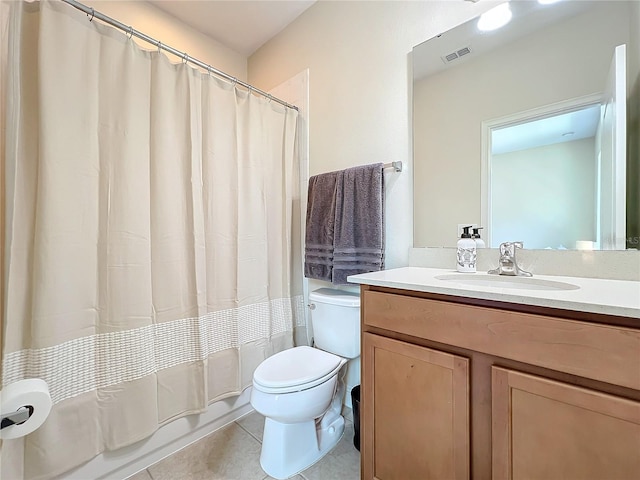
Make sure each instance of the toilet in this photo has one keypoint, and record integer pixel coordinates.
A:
(299, 391)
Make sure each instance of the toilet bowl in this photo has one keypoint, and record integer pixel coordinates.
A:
(299, 391)
(302, 414)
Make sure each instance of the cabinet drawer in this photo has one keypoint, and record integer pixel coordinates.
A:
(601, 352)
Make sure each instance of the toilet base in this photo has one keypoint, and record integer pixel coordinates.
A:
(289, 448)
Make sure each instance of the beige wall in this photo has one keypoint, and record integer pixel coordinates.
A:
(450, 107)
(358, 54)
(159, 25)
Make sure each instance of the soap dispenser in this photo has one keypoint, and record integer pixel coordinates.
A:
(466, 253)
(476, 237)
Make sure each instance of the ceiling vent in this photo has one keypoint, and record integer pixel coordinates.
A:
(457, 54)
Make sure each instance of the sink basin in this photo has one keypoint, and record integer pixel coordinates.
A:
(497, 281)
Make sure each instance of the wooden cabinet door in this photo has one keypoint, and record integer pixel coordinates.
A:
(543, 429)
(414, 412)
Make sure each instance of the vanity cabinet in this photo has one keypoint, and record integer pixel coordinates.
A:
(457, 388)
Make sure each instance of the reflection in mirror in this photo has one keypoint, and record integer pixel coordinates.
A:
(552, 160)
(486, 106)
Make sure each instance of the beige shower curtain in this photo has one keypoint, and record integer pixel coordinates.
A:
(153, 256)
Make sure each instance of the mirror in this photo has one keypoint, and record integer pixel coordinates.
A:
(500, 119)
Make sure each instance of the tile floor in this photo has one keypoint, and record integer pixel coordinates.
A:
(233, 453)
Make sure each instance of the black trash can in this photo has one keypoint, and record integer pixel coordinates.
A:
(355, 403)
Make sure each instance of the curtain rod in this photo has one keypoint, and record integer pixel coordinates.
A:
(92, 13)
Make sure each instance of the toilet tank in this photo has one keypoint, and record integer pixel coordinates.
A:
(335, 317)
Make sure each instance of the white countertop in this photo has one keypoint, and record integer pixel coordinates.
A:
(610, 297)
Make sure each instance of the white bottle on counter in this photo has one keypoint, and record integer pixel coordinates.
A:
(476, 237)
(466, 253)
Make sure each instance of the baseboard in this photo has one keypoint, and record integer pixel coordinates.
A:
(170, 438)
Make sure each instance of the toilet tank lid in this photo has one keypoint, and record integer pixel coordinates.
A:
(335, 297)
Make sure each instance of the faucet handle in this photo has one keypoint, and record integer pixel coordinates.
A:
(509, 248)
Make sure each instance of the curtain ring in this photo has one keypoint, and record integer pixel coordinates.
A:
(130, 32)
(235, 82)
(209, 69)
(185, 58)
(93, 13)
(159, 46)
(270, 97)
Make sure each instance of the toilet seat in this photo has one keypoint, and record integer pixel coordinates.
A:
(296, 369)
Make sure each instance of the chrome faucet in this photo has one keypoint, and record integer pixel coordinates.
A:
(507, 262)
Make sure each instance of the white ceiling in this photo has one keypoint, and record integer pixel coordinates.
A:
(242, 25)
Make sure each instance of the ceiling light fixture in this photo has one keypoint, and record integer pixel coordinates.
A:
(547, 2)
(495, 18)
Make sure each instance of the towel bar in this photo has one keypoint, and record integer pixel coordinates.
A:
(397, 166)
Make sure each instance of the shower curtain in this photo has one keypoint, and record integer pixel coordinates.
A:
(153, 245)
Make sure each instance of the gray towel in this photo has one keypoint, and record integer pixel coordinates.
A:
(321, 209)
(358, 245)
